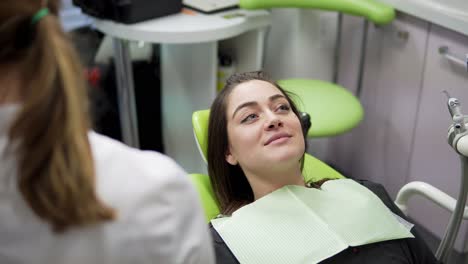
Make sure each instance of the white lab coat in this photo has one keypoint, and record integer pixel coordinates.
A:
(159, 220)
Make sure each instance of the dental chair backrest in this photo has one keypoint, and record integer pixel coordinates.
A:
(314, 169)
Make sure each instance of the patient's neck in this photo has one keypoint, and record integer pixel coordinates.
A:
(268, 182)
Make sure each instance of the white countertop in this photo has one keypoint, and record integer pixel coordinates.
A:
(452, 14)
(189, 27)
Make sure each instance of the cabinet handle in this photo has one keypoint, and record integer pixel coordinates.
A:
(403, 34)
(444, 51)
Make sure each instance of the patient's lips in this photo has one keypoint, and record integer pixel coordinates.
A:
(278, 138)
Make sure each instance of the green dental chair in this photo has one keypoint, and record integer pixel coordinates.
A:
(313, 170)
(332, 108)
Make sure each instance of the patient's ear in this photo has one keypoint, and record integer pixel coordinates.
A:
(230, 158)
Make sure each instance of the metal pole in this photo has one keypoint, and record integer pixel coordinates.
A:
(445, 247)
(362, 60)
(336, 58)
(126, 93)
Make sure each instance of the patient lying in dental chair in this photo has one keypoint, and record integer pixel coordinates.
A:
(269, 213)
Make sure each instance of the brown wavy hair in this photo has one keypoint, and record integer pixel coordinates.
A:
(49, 136)
(230, 185)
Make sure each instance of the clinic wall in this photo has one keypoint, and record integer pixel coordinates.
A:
(349, 53)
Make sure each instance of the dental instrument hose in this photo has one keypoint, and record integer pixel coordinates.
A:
(457, 130)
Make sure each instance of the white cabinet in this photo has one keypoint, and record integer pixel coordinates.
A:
(391, 86)
(380, 147)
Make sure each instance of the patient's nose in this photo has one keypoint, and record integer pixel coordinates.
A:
(275, 123)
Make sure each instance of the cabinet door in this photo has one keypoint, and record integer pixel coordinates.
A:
(380, 148)
(433, 160)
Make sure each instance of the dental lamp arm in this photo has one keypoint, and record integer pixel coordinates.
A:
(427, 191)
(455, 206)
(374, 11)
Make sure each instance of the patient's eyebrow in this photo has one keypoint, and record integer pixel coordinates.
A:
(246, 104)
(252, 103)
(276, 96)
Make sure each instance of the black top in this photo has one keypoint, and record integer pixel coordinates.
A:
(408, 250)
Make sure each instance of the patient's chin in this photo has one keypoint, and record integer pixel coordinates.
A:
(285, 156)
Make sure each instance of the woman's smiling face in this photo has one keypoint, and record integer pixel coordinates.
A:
(263, 131)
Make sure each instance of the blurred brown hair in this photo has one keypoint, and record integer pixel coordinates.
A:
(49, 137)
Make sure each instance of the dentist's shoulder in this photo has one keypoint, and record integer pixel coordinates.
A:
(154, 196)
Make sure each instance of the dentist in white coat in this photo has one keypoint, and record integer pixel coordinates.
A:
(72, 196)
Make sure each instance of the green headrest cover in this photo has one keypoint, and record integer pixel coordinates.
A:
(333, 110)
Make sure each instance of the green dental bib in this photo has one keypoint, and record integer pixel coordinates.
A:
(296, 224)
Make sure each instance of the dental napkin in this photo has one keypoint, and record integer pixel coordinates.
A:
(296, 224)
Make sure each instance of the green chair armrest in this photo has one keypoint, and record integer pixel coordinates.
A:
(200, 128)
(205, 192)
(377, 12)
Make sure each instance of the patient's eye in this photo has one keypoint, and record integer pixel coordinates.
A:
(283, 108)
(249, 118)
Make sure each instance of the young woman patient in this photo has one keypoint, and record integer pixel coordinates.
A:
(255, 147)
